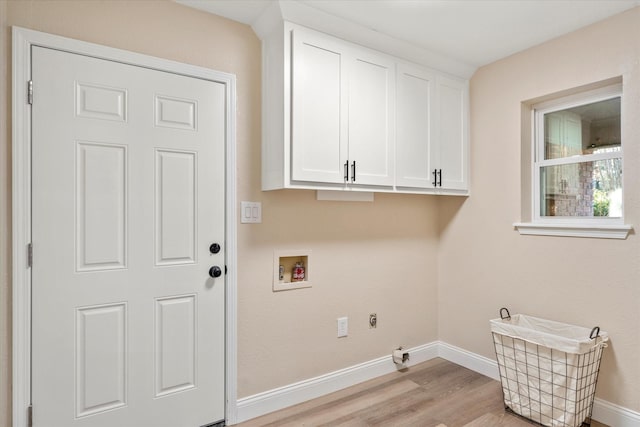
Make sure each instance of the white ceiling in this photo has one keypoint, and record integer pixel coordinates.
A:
(476, 32)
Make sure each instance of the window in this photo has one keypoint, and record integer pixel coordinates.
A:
(578, 160)
(577, 165)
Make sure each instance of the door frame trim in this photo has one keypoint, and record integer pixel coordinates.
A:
(23, 40)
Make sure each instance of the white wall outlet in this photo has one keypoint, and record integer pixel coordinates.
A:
(250, 212)
(343, 326)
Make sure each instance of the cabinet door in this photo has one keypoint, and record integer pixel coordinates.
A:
(413, 127)
(318, 108)
(451, 148)
(371, 118)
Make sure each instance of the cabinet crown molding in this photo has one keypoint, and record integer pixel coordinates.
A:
(298, 13)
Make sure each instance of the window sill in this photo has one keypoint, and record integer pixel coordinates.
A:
(605, 231)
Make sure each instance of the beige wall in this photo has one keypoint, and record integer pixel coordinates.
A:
(378, 257)
(484, 264)
(367, 257)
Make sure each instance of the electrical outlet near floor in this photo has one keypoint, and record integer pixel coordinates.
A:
(373, 321)
(343, 326)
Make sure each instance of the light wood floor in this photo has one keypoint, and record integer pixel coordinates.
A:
(436, 393)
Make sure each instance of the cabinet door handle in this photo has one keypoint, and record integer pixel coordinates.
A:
(435, 177)
(353, 172)
(440, 177)
(346, 171)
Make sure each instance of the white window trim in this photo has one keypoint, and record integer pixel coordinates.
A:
(608, 228)
(601, 231)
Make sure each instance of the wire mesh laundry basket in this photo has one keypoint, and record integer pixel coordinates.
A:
(548, 369)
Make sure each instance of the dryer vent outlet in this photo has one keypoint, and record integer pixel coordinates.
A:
(400, 356)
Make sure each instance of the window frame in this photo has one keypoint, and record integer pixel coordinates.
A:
(539, 162)
(594, 227)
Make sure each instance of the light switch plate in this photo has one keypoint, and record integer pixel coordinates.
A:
(343, 326)
(250, 212)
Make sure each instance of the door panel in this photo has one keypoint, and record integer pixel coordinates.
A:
(101, 206)
(101, 361)
(128, 194)
(175, 207)
(175, 344)
(99, 102)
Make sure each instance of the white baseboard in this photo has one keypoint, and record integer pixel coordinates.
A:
(614, 415)
(282, 397)
(473, 361)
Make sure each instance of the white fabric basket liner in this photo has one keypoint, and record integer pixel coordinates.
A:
(548, 333)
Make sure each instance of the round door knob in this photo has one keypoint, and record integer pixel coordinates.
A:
(215, 271)
(214, 248)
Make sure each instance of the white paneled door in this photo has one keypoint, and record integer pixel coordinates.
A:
(128, 169)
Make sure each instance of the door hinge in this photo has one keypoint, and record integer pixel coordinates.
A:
(30, 416)
(30, 92)
(29, 255)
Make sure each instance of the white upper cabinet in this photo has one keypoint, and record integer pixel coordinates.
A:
(371, 119)
(414, 109)
(338, 116)
(431, 140)
(451, 148)
(341, 112)
(319, 109)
